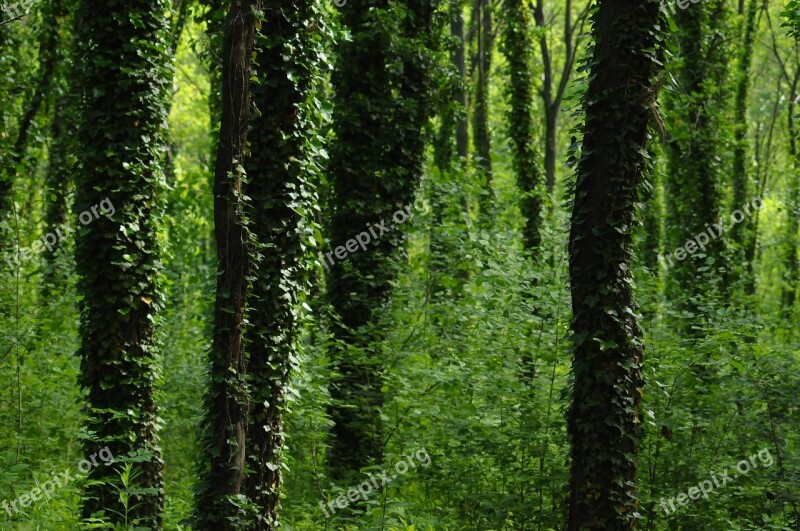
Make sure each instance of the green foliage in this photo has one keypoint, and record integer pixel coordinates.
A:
(468, 341)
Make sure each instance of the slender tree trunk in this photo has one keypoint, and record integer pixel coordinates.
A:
(482, 139)
(652, 227)
(550, 147)
(552, 90)
(790, 262)
(454, 116)
(742, 233)
(604, 423)
(460, 62)
(278, 185)
(446, 190)
(63, 132)
(222, 469)
(125, 74)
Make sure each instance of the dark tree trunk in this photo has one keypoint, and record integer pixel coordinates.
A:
(460, 62)
(376, 162)
(225, 423)
(550, 147)
(482, 139)
(604, 422)
(125, 74)
(652, 227)
(454, 113)
(278, 174)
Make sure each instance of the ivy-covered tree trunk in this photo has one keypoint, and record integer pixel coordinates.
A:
(482, 19)
(791, 265)
(460, 62)
(125, 75)
(693, 181)
(446, 190)
(454, 114)
(214, 19)
(226, 403)
(376, 162)
(6, 179)
(517, 46)
(282, 198)
(604, 423)
(742, 233)
(790, 262)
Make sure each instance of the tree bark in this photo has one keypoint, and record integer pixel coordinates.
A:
(517, 47)
(791, 266)
(279, 171)
(481, 135)
(552, 90)
(604, 423)
(742, 233)
(376, 163)
(226, 402)
(454, 114)
(125, 74)
(63, 131)
(693, 183)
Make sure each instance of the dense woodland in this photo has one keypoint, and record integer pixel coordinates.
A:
(399, 264)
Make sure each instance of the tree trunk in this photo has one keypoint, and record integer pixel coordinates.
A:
(550, 147)
(517, 47)
(125, 74)
(226, 402)
(789, 290)
(552, 90)
(742, 233)
(483, 147)
(63, 131)
(278, 174)
(692, 186)
(454, 114)
(460, 61)
(48, 57)
(375, 111)
(604, 422)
